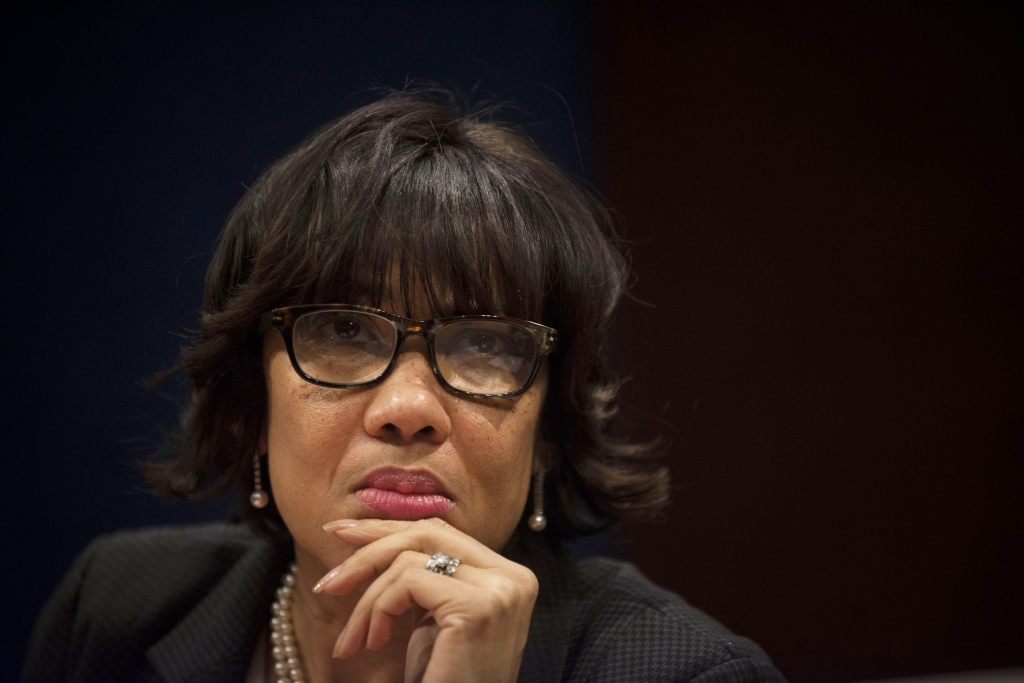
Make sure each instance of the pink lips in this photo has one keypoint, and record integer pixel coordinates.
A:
(404, 494)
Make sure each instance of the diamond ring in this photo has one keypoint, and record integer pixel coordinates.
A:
(439, 563)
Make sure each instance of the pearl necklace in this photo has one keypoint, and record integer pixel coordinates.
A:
(287, 665)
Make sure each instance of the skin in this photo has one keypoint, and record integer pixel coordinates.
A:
(376, 607)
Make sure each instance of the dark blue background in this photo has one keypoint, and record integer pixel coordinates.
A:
(129, 132)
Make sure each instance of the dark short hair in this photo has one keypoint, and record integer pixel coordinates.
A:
(413, 193)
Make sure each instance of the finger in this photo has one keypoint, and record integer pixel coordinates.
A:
(386, 526)
(427, 532)
(358, 573)
(415, 587)
(353, 638)
(426, 536)
(346, 577)
(365, 531)
(370, 627)
(381, 626)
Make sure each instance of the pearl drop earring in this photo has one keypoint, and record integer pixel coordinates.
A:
(259, 497)
(538, 521)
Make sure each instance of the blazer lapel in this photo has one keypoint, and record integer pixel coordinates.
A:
(215, 641)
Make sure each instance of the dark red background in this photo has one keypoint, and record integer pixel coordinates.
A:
(824, 206)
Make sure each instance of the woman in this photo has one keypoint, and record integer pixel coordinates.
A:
(400, 366)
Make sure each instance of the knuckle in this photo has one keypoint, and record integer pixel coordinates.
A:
(407, 558)
(530, 584)
(519, 587)
(502, 586)
(524, 578)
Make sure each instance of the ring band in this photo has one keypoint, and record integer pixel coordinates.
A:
(439, 563)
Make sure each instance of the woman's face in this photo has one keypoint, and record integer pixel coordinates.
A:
(351, 453)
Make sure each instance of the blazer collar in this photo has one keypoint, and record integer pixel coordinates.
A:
(215, 641)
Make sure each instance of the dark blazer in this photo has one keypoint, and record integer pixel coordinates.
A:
(187, 605)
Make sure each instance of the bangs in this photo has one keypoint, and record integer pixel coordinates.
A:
(429, 215)
(446, 231)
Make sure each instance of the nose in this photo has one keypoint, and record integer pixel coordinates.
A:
(407, 406)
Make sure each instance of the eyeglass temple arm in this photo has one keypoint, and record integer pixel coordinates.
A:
(268, 320)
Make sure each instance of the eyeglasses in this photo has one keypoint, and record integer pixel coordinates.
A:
(338, 345)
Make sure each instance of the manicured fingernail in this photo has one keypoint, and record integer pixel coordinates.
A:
(327, 577)
(339, 642)
(340, 524)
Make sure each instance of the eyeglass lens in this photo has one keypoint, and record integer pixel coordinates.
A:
(353, 347)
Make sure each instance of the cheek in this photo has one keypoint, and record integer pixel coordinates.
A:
(308, 428)
(493, 444)
(304, 418)
(496, 448)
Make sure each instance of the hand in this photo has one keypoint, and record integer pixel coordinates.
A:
(477, 620)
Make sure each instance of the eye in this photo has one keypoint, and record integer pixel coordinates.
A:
(482, 342)
(333, 328)
(486, 342)
(346, 330)
(485, 356)
(343, 347)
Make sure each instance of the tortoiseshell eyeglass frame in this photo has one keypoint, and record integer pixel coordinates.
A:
(284, 319)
